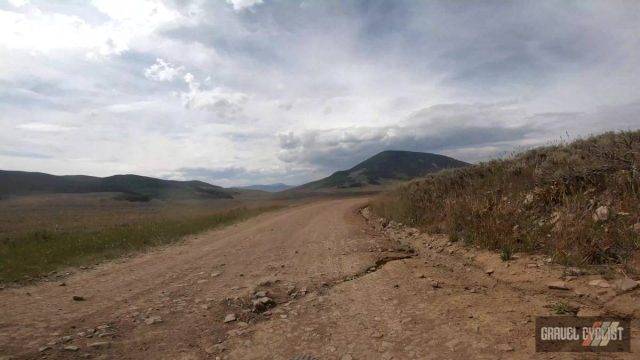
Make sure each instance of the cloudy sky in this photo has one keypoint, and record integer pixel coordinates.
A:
(237, 92)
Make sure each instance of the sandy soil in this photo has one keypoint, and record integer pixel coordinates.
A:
(344, 289)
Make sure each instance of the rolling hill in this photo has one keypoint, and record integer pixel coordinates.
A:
(132, 187)
(385, 167)
(267, 187)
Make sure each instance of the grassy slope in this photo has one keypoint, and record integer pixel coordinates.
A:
(30, 254)
(543, 200)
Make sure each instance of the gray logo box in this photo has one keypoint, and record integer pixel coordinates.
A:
(582, 334)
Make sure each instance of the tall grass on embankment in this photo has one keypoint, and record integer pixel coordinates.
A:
(33, 254)
(577, 202)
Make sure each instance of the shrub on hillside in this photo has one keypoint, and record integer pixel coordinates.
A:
(579, 202)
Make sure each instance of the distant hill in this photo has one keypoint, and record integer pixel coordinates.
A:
(132, 187)
(268, 187)
(384, 167)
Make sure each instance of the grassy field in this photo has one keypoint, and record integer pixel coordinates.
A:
(577, 202)
(41, 234)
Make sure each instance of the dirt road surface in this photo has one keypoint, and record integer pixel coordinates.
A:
(343, 289)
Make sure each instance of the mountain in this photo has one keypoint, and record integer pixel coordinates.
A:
(132, 187)
(267, 187)
(385, 167)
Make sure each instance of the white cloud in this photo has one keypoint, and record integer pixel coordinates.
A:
(239, 5)
(19, 3)
(224, 103)
(163, 71)
(43, 127)
(44, 31)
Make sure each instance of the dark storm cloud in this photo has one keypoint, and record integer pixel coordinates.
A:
(469, 132)
(435, 129)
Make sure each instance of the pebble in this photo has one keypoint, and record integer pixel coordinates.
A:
(71, 348)
(504, 347)
(601, 214)
(100, 345)
(153, 320)
(600, 283)
(558, 285)
(67, 338)
(229, 318)
(626, 284)
(78, 298)
(488, 271)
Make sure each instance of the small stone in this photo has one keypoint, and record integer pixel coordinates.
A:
(558, 285)
(504, 347)
(346, 357)
(528, 199)
(601, 214)
(377, 335)
(78, 298)
(216, 274)
(636, 227)
(626, 284)
(600, 283)
(71, 348)
(67, 338)
(230, 318)
(262, 304)
(488, 271)
(100, 345)
(435, 284)
(153, 320)
(260, 294)
(62, 284)
(44, 348)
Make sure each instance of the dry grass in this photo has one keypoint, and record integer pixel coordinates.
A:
(41, 234)
(542, 200)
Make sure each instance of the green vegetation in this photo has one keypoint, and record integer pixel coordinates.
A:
(562, 308)
(32, 254)
(577, 202)
(505, 253)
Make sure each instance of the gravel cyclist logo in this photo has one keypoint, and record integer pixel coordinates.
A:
(582, 334)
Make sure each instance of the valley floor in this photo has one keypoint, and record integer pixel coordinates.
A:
(343, 288)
